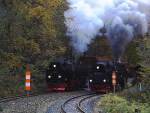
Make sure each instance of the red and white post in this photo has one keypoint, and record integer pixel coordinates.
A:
(27, 80)
(114, 82)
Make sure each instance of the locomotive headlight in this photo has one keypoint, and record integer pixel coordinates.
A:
(91, 80)
(97, 67)
(49, 77)
(59, 76)
(54, 66)
(104, 80)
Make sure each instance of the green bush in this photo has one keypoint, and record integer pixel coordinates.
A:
(142, 97)
(115, 104)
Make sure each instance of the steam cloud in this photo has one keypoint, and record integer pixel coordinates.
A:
(123, 20)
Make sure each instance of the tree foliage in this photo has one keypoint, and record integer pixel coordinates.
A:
(144, 52)
(31, 31)
(131, 54)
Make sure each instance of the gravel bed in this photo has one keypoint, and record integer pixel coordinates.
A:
(55, 107)
(89, 104)
(71, 106)
(37, 104)
(97, 108)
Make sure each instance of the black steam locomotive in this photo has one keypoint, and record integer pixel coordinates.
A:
(60, 76)
(92, 73)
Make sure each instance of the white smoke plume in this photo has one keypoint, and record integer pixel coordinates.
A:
(124, 19)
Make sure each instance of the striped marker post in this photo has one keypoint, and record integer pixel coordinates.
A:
(27, 80)
(114, 77)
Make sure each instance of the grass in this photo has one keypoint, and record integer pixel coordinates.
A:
(142, 97)
(117, 104)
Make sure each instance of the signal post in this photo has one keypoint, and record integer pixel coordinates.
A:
(27, 80)
(114, 82)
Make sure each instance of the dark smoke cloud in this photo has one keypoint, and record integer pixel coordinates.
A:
(124, 19)
(119, 35)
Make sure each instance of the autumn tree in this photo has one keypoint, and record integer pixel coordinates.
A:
(31, 31)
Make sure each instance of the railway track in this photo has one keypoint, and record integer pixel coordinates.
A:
(7, 99)
(74, 104)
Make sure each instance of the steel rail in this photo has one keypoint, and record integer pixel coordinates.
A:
(7, 99)
(70, 99)
(79, 105)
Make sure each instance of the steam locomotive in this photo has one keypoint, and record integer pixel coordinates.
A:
(60, 76)
(92, 73)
